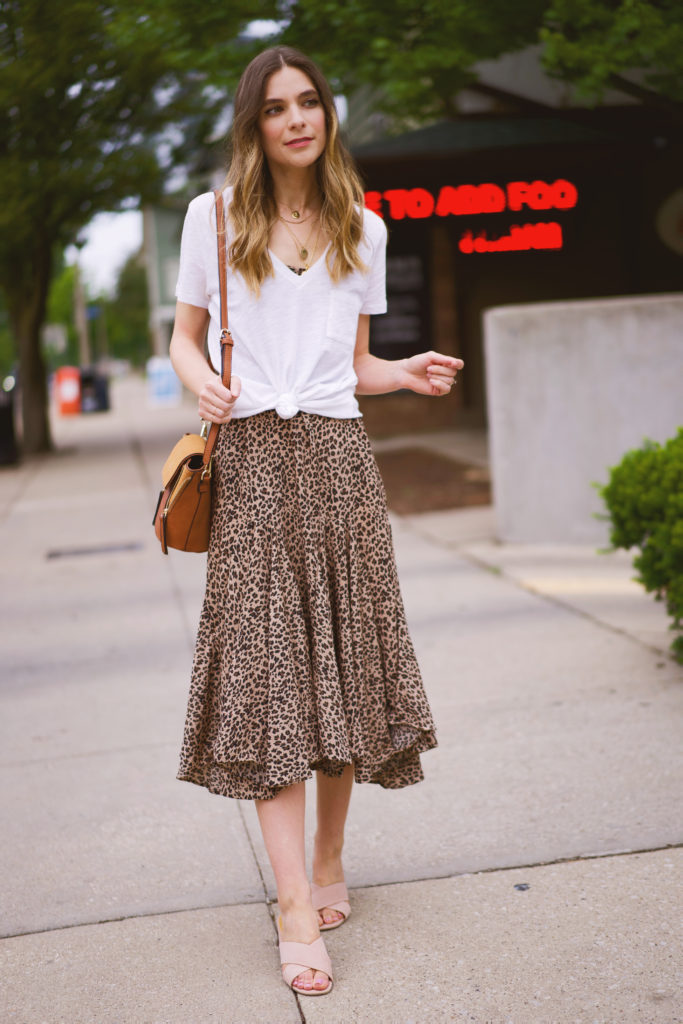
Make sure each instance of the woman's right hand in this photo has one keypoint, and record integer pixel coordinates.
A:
(216, 401)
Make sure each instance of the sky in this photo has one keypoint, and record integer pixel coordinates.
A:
(110, 239)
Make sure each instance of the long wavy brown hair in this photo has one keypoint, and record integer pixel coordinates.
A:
(253, 210)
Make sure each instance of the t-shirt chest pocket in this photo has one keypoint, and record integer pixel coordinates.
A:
(342, 319)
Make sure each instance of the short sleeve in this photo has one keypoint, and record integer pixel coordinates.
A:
(375, 298)
(197, 240)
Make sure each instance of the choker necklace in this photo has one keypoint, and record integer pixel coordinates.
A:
(296, 214)
(302, 220)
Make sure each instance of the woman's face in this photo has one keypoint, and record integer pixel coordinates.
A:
(292, 120)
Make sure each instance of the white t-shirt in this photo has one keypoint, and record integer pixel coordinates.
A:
(294, 345)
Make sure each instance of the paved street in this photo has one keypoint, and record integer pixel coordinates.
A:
(533, 878)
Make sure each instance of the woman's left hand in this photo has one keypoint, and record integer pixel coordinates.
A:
(430, 373)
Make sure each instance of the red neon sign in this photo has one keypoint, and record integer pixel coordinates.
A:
(487, 198)
(466, 200)
(519, 239)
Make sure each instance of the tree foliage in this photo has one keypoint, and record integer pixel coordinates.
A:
(418, 53)
(7, 353)
(98, 101)
(101, 99)
(629, 44)
(127, 314)
(644, 499)
(60, 310)
(118, 325)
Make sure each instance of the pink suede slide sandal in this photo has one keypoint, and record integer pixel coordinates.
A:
(334, 897)
(297, 957)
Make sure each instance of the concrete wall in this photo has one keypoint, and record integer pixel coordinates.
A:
(571, 386)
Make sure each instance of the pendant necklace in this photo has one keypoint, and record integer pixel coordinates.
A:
(303, 249)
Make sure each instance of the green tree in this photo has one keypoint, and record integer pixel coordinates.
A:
(633, 45)
(60, 310)
(127, 314)
(98, 101)
(417, 54)
(7, 355)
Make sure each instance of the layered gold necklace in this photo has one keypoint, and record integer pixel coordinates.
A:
(303, 252)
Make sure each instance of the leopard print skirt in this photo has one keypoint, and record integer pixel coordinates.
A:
(303, 658)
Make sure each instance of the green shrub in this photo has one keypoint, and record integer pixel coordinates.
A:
(644, 498)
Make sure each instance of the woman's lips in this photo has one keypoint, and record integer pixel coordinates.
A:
(297, 143)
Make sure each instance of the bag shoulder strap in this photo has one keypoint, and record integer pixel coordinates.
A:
(226, 338)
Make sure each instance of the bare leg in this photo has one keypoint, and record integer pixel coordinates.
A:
(333, 796)
(282, 825)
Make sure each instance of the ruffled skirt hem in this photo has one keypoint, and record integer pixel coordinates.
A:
(248, 781)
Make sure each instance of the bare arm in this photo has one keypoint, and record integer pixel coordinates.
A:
(428, 373)
(189, 362)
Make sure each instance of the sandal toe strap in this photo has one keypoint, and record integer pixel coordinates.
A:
(329, 895)
(297, 957)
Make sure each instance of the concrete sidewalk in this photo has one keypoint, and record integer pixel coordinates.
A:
(531, 879)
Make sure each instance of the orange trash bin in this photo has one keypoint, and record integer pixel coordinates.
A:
(68, 390)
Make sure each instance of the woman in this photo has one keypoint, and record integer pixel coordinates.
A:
(303, 660)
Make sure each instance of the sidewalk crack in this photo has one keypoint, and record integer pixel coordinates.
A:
(269, 904)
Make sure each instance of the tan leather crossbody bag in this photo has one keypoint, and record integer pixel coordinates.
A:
(182, 518)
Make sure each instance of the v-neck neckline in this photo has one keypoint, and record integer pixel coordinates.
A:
(298, 278)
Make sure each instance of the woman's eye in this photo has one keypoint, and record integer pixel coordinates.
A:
(313, 102)
(272, 110)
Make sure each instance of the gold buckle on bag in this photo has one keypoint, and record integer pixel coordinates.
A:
(204, 433)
